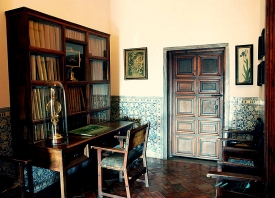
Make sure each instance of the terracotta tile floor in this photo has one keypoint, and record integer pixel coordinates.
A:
(175, 177)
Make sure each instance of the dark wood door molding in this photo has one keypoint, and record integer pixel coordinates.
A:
(196, 102)
(270, 98)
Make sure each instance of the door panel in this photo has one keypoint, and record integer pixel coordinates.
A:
(185, 126)
(208, 148)
(185, 145)
(209, 65)
(186, 86)
(209, 86)
(208, 107)
(196, 102)
(209, 127)
(185, 106)
(185, 66)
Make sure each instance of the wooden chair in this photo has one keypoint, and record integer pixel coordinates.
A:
(241, 163)
(12, 180)
(122, 157)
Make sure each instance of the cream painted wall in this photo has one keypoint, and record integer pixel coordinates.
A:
(170, 23)
(155, 25)
(91, 13)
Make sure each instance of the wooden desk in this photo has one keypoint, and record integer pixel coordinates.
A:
(60, 158)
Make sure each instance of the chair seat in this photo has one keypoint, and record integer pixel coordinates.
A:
(116, 160)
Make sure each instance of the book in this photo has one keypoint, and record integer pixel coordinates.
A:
(47, 36)
(44, 68)
(36, 34)
(91, 130)
(82, 99)
(57, 37)
(34, 114)
(39, 68)
(33, 67)
(36, 108)
(31, 33)
(41, 34)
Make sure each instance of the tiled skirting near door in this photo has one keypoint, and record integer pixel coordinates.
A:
(143, 109)
(243, 114)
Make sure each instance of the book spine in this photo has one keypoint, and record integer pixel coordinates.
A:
(31, 33)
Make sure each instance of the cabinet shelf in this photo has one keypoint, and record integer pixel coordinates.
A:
(98, 58)
(76, 41)
(42, 48)
(46, 51)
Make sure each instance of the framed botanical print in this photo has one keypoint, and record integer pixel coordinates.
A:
(244, 64)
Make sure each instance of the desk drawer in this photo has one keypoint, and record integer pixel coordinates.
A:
(75, 156)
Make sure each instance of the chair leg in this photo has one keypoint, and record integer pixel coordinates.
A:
(120, 177)
(146, 173)
(99, 177)
(127, 187)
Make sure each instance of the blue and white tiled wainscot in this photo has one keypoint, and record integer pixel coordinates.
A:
(143, 109)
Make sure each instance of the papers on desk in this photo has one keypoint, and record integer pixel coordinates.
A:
(91, 130)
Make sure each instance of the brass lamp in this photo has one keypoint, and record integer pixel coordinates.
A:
(56, 113)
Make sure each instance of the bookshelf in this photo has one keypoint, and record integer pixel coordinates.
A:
(42, 48)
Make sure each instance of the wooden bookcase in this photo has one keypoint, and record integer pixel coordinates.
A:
(41, 48)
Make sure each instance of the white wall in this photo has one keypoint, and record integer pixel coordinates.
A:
(155, 25)
(91, 13)
(170, 23)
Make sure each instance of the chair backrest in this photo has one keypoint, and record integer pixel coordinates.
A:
(138, 136)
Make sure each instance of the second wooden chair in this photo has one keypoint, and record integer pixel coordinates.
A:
(121, 158)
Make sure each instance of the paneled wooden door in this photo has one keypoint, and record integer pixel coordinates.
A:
(196, 102)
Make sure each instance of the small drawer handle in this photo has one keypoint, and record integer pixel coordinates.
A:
(76, 154)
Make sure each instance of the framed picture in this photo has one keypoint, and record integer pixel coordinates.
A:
(72, 58)
(135, 63)
(260, 47)
(244, 64)
(263, 42)
(261, 74)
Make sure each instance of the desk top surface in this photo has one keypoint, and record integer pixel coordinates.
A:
(75, 140)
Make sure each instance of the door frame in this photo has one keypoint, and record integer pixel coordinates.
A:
(165, 134)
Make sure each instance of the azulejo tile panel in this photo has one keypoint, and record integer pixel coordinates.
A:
(5, 132)
(245, 111)
(143, 109)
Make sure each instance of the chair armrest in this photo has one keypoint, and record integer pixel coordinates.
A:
(111, 149)
(15, 159)
(238, 131)
(236, 140)
(120, 137)
(234, 176)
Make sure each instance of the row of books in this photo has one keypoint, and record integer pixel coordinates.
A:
(75, 35)
(45, 35)
(44, 68)
(39, 131)
(98, 71)
(75, 100)
(40, 98)
(97, 46)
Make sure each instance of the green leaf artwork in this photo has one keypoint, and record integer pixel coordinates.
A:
(246, 69)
